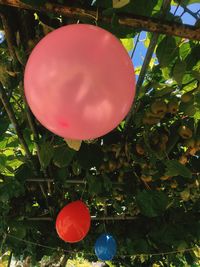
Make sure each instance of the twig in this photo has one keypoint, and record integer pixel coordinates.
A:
(33, 128)
(30, 118)
(128, 20)
(145, 65)
(35, 135)
(10, 259)
(135, 46)
(151, 48)
(14, 122)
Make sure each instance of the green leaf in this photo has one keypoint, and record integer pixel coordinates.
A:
(196, 74)
(46, 153)
(3, 160)
(9, 189)
(13, 162)
(175, 168)
(152, 203)
(197, 100)
(167, 51)
(120, 3)
(166, 73)
(197, 115)
(179, 71)
(63, 156)
(188, 108)
(17, 229)
(127, 43)
(163, 91)
(192, 58)
(191, 84)
(4, 195)
(184, 50)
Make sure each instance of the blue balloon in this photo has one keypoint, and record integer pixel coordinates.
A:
(105, 247)
(2, 36)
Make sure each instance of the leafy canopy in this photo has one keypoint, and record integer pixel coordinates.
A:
(146, 169)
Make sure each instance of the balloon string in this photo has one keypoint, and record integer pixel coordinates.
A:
(127, 255)
(105, 214)
(104, 226)
(96, 18)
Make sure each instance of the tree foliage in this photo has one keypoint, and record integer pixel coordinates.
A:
(148, 168)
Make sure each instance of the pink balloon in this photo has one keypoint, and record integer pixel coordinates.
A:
(79, 81)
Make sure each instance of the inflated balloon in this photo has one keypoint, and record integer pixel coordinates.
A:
(73, 222)
(105, 247)
(79, 81)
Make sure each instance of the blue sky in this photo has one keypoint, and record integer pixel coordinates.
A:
(186, 18)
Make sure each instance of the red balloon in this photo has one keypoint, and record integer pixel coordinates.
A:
(73, 222)
(79, 81)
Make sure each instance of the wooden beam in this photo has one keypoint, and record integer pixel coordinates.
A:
(128, 20)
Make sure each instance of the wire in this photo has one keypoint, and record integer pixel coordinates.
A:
(44, 246)
(127, 255)
(136, 43)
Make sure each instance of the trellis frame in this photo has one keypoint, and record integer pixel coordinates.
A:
(157, 26)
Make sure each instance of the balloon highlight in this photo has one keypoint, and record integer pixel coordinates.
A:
(105, 247)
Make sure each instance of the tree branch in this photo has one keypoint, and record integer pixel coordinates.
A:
(36, 139)
(148, 56)
(128, 20)
(14, 122)
(145, 65)
(35, 135)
